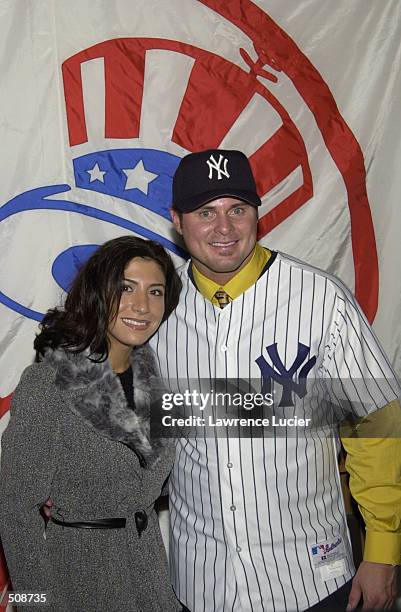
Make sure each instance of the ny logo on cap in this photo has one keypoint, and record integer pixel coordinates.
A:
(216, 165)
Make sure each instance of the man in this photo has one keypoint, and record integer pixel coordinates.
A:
(258, 523)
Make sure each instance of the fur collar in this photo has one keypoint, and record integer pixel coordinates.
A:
(98, 398)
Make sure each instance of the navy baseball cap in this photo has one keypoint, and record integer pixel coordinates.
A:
(208, 175)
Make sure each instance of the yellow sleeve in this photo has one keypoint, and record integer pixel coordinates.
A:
(374, 466)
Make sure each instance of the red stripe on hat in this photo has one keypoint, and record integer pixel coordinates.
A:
(216, 89)
(124, 63)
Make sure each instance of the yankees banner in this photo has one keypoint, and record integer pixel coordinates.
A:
(100, 101)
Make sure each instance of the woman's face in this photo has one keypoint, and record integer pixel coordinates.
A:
(141, 307)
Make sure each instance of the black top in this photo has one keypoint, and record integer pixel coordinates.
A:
(127, 381)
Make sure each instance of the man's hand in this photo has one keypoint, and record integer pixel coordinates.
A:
(46, 509)
(376, 583)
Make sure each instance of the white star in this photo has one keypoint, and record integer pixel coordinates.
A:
(138, 177)
(96, 174)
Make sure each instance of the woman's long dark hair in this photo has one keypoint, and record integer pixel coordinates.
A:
(94, 296)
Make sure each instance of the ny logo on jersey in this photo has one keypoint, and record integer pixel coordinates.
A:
(216, 165)
(284, 377)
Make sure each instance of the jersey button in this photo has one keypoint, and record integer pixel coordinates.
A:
(223, 347)
(238, 549)
(229, 464)
(233, 508)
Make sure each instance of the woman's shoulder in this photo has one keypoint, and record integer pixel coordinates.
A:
(37, 373)
(36, 395)
(38, 380)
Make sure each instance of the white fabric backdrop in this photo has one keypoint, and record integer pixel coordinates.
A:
(324, 78)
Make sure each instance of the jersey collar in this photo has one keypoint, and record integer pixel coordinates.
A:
(244, 279)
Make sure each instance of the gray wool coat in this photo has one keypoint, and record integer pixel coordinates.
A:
(72, 438)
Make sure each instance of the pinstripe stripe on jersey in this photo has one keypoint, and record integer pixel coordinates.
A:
(244, 478)
(269, 296)
(224, 374)
(265, 573)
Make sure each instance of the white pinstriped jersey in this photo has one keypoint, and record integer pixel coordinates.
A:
(245, 513)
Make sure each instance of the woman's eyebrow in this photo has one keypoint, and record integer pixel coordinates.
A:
(134, 282)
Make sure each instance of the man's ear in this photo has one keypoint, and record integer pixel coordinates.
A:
(175, 217)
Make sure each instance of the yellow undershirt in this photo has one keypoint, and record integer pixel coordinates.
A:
(374, 464)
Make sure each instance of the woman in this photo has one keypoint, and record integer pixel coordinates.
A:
(79, 434)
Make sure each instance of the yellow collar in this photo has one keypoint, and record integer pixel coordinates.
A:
(244, 279)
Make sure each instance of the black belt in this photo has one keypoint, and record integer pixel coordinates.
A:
(111, 523)
(141, 522)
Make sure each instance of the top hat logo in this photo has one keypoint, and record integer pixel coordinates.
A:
(136, 106)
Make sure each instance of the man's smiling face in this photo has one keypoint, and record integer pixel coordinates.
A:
(220, 236)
